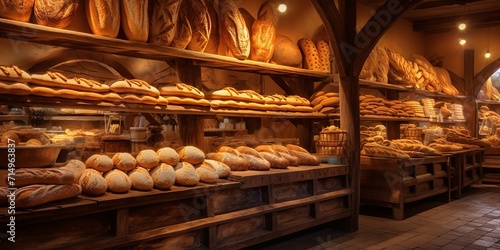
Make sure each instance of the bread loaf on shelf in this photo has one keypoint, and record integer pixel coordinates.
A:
(147, 158)
(285, 153)
(235, 162)
(275, 160)
(163, 176)
(324, 55)
(124, 161)
(13, 73)
(134, 86)
(233, 29)
(57, 80)
(77, 167)
(168, 155)
(264, 33)
(117, 181)
(103, 17)
(35, 195)
(186, 175)
(382, 69)
(286, 52)
(92, 182)
(135, 20)
(163, 21)
(184, 32)
(222, 169)
(310, 54)
(55, 13)
(19, 10)
(214, 38)
(207, 173)
(376, 150)
(201, 26)
(30, 176)
(191, 154)
(99, 162)
(254, 158)
(140, 179)
(304, 156)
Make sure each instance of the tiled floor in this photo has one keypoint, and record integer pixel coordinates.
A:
(472, 222)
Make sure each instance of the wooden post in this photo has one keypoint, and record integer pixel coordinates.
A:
(470, 110)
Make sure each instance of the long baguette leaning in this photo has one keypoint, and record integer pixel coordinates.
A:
(103, 17)
(233, 29)
(135, 19)
(29, 176)
(35, 195)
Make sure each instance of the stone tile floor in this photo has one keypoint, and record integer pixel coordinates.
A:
(472, 222)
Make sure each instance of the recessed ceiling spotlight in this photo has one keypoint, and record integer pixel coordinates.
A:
(462, 26)
(282, 8)
(462, 41)
(487, 54)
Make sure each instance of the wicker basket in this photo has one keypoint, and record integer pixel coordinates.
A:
(331, 143)
(413, 134)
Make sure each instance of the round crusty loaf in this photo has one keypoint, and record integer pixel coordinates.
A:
(10, 137)
(147, 159)
(141, 180)
(103, 17)
(135, 20)
(186, 175)
(117, 181)
(163, 21)
(55, 13)
(168, 155)
(124, 161)
(207, 173)
(77, 167)
(221, 168)
(19, 10)
(286, 52)
(92, 182)
(191, 155)
(163, 176)
(100, 163)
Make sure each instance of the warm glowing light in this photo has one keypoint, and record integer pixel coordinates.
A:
(487, 54)
(462, 26)
(462, 41)
(282, 7)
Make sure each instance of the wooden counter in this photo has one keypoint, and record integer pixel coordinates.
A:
(465, 168)
(260, 206)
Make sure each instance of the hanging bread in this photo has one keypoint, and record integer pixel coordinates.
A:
(163, 21)
(264, 33)
(309, 54)
(201, 26)
(233, 29)
(19, 10)
(103, 17)
(135, 20)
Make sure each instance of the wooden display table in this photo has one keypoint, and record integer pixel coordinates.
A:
(465, 168)
(394, 182)
(226, 215)
(490, 169)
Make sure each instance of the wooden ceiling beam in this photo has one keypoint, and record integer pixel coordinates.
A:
(444, 24)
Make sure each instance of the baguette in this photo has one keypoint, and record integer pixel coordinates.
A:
(255, 160)
(285, 153)
(58, 80)
(180, 89)
(35, 195)
(275, 160)
(30, 176)
(416, 147)
(103, 17)
(233, 29)
(135, 86)
(376, 150)
(135, 20)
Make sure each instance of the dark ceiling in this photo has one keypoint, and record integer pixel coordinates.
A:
(434, 16)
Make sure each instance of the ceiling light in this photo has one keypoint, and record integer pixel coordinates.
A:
(462, 26)
(282, 8)
(462, 41)
(487, 54)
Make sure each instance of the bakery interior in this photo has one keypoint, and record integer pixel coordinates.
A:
(230, 124)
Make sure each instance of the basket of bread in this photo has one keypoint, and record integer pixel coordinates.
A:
(29, 148)
(412, 132)
(331, 141)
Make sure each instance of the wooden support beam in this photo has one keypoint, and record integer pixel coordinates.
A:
(470, 111)
(282, 83)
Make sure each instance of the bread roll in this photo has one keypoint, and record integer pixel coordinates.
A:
(168, 155)
(164, 21)
(199, 19)
(77, 167)
(264, 33)
(147, 159)
(117, 181)
(103, 17)
(19, 10)
(184, 32)
(35, 195)
(55, 13)
(163, 176)
(124, 161)
(30, 176)
(222, 169)
(141, 180)
(214, 38)
(92, 182)
(310, 54)
(135, 20)
(100, 163)
(233, 29)
(186, 175)
(235, 162)
(191, 154)
(207, 173)
(286, 52)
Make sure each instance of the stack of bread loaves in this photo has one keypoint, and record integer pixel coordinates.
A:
(402, 71)
(376, 67)
(37, 186)
(183, 94)
(325, 102)
(371, 105)
(315, 56)
(13, 81)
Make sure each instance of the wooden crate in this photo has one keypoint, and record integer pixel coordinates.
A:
(394, 182)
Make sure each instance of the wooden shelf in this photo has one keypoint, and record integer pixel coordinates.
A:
(23, 118)
(90, 118)
(488, 102)
(381, 85)
(393, 118)
(89, 42)
(438, 94)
